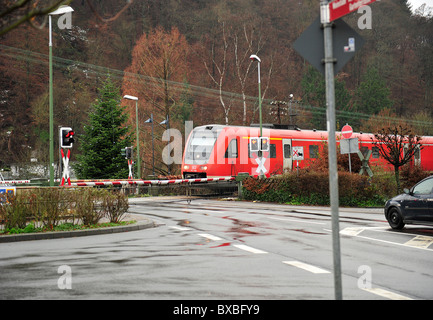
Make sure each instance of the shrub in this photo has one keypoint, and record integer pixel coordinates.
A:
(48, 207)
(89, 205)
(115, 205)
(312, 187)
(13, 210)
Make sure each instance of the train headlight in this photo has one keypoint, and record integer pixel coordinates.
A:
(203, 168)
(185, 167)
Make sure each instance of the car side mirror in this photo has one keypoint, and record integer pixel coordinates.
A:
(406, 190)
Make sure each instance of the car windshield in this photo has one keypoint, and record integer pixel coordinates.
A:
(424, 187)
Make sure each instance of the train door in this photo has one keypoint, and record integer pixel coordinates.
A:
(287, 155)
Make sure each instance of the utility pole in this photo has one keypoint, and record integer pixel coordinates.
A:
(332, 150)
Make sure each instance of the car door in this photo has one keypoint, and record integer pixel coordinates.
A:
(419, 206)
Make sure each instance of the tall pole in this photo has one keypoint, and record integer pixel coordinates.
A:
(138, 141)
(51, 164)
(332, 154)
(260, 98)
(153, 147)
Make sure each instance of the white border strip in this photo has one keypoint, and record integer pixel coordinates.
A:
(249, 249)
(305, 266)
(386, 294)
(209, 236)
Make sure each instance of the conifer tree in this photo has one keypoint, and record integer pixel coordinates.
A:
(104, 137)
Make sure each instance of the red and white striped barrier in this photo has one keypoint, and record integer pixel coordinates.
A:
(147, 182)
(14, 181)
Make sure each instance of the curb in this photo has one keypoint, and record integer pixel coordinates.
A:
(145, 224)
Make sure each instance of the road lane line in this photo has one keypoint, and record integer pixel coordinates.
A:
(386, 294)
(210, 237)
(249, 249)
(305, 266)
(296, 220)
(180, 228)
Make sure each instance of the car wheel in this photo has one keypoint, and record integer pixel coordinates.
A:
(395, 219)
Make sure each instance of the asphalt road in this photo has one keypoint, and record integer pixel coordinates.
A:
(222, 249)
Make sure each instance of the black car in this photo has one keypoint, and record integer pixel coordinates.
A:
(414, 206)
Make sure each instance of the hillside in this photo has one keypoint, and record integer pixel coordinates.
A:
(189, 60)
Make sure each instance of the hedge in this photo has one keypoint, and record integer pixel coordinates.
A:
(312, 188)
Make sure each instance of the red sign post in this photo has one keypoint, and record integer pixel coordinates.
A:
(339, 8)
(347, 131)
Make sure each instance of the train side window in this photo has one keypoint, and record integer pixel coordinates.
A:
(272, 151)
(314, 151)
(375, 153)
(232, 149)
(287, 151)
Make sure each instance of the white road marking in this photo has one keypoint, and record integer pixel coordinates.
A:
(180, 228)
(305, 266)
(386, 294)
(351, 231)
(210, 237)
(296, 220)
(249, 249)
(420, 242)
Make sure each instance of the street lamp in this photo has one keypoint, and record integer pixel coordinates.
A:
(167, 124)
(61, 10)
(150, 120)
(256, 58)
(136, 129)
(253, 57)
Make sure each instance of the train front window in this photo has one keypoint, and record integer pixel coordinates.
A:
(200, 146)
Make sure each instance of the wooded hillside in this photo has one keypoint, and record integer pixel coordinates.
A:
(189, 59)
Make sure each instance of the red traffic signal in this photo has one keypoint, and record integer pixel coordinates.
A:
(66, 137)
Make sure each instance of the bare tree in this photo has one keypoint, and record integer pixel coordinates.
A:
(14, 13)
(397, 145)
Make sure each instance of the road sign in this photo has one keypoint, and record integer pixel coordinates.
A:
(347, 131)
(340, 8)
(298, 153)
(345, 43)
(364, 161)
(350, 145)
(65, 176)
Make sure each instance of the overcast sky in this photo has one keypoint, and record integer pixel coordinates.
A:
(417, 3)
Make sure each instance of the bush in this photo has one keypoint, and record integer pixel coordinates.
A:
(115, 206)
(48, 207)
(312, 188)
(13, 210)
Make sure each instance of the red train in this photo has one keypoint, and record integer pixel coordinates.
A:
(219, 151)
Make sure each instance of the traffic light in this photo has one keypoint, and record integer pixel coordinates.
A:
(264, 144)
(254, 144)
(66, 137)
(126, 152)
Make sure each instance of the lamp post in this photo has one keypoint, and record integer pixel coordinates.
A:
(167, 123)
(256, 58)
(150, 120)
(61, 10)
(136, 129)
